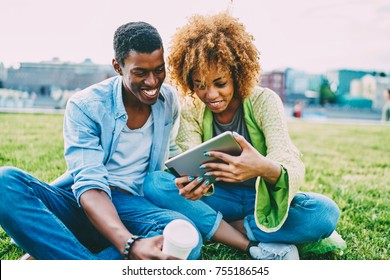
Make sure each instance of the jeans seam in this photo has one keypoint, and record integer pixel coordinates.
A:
(81, 246)
(216, 225)
(249, 232)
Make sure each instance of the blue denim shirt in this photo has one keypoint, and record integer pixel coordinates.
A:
(94, 118)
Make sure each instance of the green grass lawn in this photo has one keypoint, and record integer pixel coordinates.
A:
(349, 163)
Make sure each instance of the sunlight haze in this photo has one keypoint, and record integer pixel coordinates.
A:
(315, 35)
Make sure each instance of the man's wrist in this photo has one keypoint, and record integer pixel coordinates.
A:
(130, 242)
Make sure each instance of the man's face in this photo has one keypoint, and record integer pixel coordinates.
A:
(143, 75)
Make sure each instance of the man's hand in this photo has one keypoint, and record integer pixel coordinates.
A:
(149, 249)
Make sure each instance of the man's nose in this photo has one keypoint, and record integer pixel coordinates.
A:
(151, 80)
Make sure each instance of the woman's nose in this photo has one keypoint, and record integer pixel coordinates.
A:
(211, 92)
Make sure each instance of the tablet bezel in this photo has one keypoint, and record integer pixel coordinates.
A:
(188, 162)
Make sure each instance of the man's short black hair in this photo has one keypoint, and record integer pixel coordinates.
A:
(135, 36)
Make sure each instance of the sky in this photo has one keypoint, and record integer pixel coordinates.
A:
(309, 35)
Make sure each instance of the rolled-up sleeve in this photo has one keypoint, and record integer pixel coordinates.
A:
(83, 152)
(270, 116)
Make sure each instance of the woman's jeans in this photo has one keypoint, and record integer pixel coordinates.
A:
(47, 222)
(311, 216)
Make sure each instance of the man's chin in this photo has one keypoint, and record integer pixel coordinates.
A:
(150, 101)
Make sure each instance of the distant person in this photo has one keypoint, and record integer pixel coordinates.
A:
(115, 133)
(255, 205)
(297, 110)
(386, 106)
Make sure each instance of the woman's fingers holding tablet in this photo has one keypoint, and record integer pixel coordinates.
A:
(192, 188)
(181, 182)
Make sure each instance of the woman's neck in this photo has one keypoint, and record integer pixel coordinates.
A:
(227, 115)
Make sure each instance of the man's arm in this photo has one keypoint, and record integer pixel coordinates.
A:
(103, 215)
(84, 156)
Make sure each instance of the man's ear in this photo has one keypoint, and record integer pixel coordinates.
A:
(116, 66)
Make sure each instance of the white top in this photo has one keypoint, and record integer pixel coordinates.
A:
(129, 164)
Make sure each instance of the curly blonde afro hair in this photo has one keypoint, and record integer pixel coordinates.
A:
(218, 40)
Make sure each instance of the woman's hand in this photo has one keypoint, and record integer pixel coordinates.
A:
(192, 188)
(249, 164)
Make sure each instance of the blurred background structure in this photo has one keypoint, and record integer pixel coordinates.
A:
(330, 56)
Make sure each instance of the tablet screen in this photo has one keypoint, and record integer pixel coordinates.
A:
(188, 163)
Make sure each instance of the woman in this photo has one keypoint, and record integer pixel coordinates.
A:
(215, 65)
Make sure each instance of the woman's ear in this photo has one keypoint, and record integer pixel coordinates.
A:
(116, 66)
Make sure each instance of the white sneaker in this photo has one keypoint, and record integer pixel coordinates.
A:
(273, 251)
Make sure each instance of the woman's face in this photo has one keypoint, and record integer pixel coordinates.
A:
(217, 91)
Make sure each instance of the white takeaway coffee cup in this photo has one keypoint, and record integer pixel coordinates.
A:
(180, 237)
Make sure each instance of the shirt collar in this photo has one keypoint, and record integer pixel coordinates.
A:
(118, 100)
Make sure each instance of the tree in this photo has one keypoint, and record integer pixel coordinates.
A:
(327, 96)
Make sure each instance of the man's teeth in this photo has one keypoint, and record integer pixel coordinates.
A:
(151, 92)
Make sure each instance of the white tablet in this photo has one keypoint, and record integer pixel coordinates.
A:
(188, 163)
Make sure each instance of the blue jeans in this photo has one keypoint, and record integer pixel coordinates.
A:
(311, 216)
(47, 222)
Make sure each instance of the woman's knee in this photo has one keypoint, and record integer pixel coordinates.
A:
(320, 213)
(333, 215)
(159, 182)
(328, 214)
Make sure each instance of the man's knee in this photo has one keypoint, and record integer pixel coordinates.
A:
(9, 178)
(8, 171)
(9, 174)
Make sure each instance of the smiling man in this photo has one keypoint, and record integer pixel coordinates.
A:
(115, 133)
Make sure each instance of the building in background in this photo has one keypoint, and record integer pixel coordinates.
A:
(348, 87)
(50, 83)
(276, 81)
(43, 77)
(3, 75)
(342, 88)
(294, 85)
(370, 87)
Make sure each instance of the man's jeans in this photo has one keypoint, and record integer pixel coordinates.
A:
(311, 216)
(47, 222)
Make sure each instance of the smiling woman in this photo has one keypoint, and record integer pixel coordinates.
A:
(216, 66)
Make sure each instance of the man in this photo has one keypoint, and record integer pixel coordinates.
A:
(386, 106)
(115, 132)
